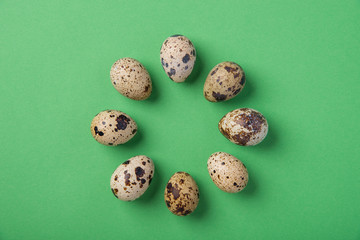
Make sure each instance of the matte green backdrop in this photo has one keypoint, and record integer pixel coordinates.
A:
(301, 59)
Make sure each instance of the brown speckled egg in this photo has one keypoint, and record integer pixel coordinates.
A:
(181, 194)
(131, 79)
(224, 82)
(227, 172)
(113, 127)
(244, 126)
(177, 56)
(132, 178)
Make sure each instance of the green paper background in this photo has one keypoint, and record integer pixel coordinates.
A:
(301, 59)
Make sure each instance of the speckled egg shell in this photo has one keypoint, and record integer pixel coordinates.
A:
(131, 79)
(244, 126)
(177, 56)
(227, 172)
(132, 178)
(224, 82)
(113, 127)
(181, 194)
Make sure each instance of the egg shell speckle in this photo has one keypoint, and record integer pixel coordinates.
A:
(224, 82)
(244, 126)
(181, 194)
(132, 178)
(113, 127)
(177, 56)
(131, 79)
(227, 172)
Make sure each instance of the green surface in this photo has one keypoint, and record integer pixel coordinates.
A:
(301, 59)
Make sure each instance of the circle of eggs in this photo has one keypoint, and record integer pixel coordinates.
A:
(177, 56)
(131, 79)
(132, 178)
(113, 127)
(244, 126)
(227, 172)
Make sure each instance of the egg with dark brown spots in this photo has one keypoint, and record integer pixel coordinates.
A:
(244, 126)
(227, 172)
(130, 78)
(181, 194)
(177, 56)
(224, 82)
(132, 178)
(113, 127)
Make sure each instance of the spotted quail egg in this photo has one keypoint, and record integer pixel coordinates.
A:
(227, 172)
(132, 178)
(177, 56)
(224, 82)
(131, 79)
(181, 194)
(244, 126)
(113, 127)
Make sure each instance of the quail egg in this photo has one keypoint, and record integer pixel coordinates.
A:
(132, 178)
(244, 126)
(227, 172)
(131, 79)
(177, 56)
(181, 194)
(113, 127)
(224, 82)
